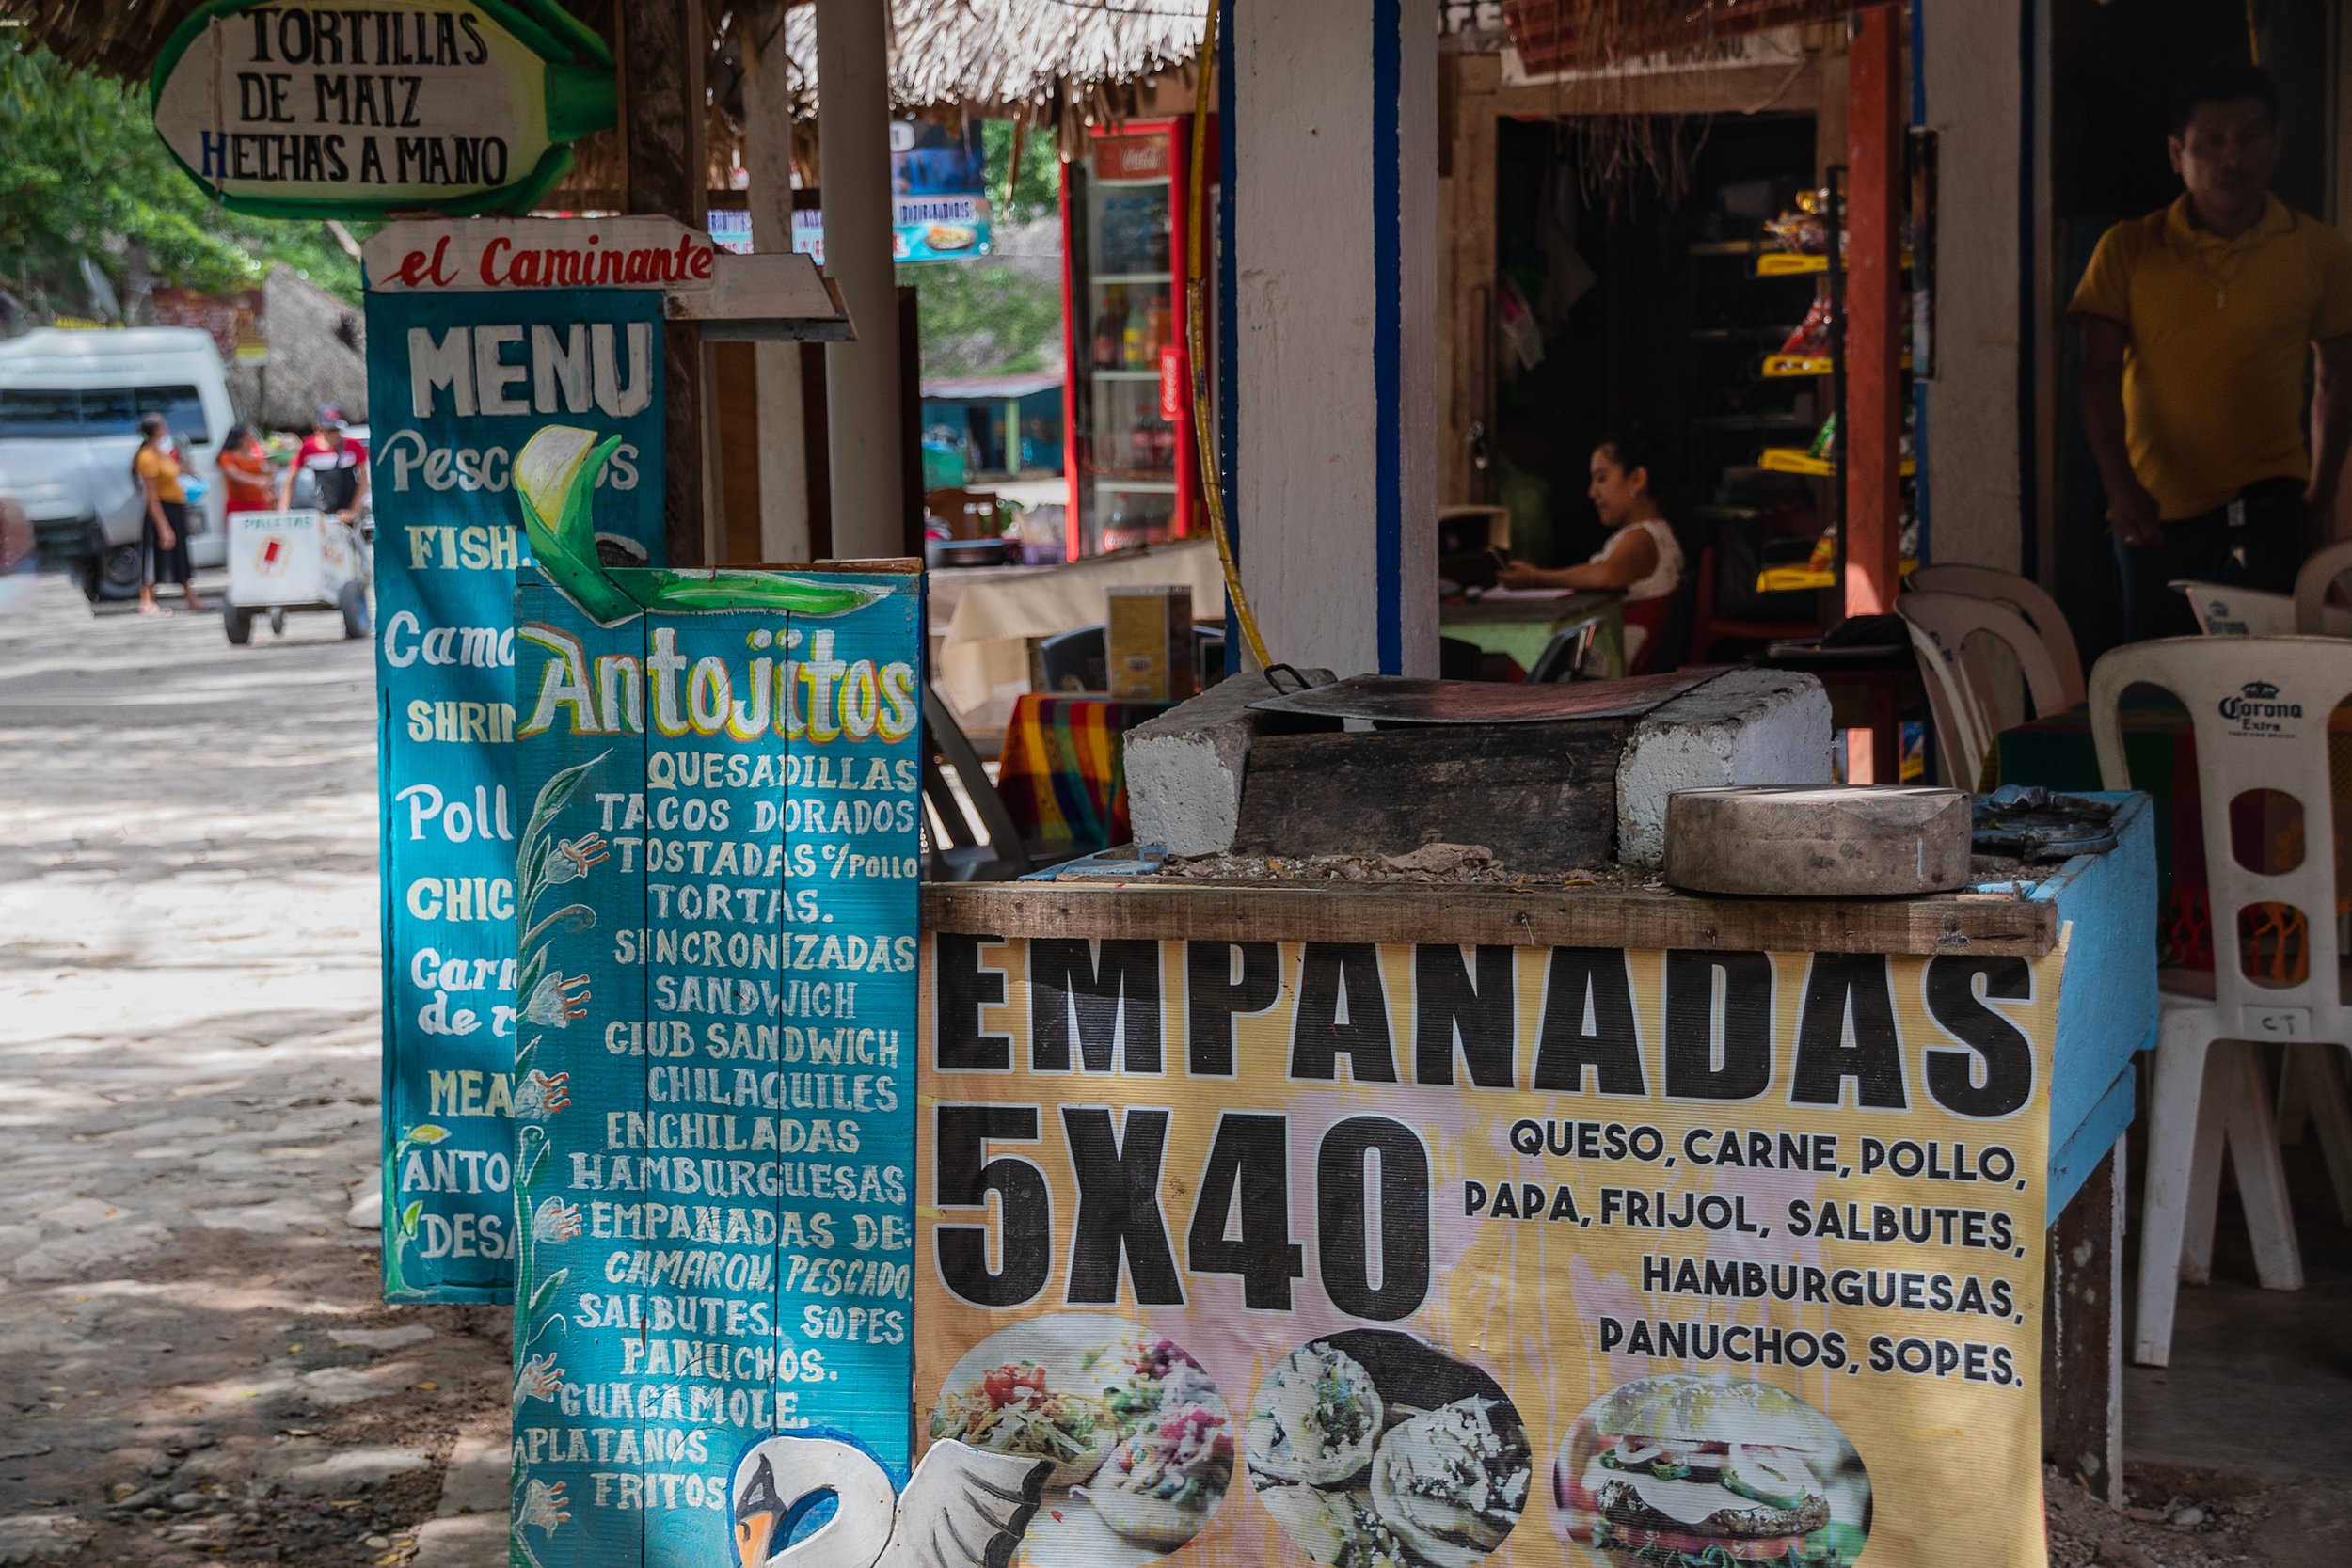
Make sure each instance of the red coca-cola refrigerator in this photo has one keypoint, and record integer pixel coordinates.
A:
(1131, 461)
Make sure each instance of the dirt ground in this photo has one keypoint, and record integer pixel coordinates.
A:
(194, 1365)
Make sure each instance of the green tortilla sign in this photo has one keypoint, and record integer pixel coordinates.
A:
(457, 106)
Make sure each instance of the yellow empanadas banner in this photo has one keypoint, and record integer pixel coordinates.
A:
(1420, 1256)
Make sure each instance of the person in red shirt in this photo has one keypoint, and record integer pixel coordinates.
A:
(245, 470)
(337, 464)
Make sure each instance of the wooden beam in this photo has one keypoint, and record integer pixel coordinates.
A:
(1728, 90)
(1871, 442)
(662, 44)
(862, 379)
(2085, 1377)
(1168, 910)
(739, 479)
(778, 454)
(1466, 268)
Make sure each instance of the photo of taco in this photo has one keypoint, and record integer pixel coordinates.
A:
(1159, 1485)
(1375, 1449)
(1013, 1410)
(1690, 1471)
(1157, 1375)
(1140, 1439)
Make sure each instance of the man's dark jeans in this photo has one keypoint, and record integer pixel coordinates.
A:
(2201, 548)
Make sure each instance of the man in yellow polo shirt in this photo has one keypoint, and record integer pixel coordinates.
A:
(2199, 323)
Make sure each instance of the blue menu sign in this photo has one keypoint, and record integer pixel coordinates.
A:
(719, 790)
(457, 382)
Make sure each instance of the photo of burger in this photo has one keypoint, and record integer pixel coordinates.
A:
(1140, 1439)
(1374, 1449)
(1689, 1471)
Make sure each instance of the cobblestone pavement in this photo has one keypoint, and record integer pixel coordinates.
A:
(194, 1367)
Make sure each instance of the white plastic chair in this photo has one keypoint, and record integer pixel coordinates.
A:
(2259, 707)
(2026, 598)
(2224, 610)
(2313, 615)
(1962, 740)
(1949, 623)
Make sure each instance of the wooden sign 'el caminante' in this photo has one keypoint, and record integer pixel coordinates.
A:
(460, 106)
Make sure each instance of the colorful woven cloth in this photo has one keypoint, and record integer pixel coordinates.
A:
(1063, 773)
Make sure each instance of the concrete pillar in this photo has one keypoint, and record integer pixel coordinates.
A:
(783, 454)
(1334, 415)
(862, 394)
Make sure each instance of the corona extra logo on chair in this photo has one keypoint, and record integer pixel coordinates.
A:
(2255, 702)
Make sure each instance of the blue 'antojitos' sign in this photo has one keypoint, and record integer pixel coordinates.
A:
(719, 788)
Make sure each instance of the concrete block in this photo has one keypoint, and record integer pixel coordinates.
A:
(1743, 727)
(1184, 768)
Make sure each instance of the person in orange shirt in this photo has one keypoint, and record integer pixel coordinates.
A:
(2199, 323)
(164, 521)
(245, 470)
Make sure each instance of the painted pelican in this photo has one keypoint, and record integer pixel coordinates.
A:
(962, 1508)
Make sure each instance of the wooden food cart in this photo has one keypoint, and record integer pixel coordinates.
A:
(1582, 1145)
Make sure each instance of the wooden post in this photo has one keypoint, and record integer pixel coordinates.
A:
(662, 44)
(1466, 265)
(781, 455)
(1870, 444)
(862, 392)
(2085, 1307)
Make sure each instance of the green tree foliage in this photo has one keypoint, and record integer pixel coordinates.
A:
(989, 317)
(986, 318)
(1037, 190)
(85, 176)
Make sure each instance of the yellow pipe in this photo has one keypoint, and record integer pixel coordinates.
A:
(1196, 334)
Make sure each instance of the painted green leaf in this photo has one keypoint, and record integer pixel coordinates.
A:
(574, 918)
(408, 1217)
(533, 967)
(532, 851)
(555, 479)
(544, 1289)
(720, 589)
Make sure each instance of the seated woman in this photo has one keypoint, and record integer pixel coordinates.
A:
(1642, 558)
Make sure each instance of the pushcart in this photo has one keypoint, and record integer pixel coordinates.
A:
(281, 562)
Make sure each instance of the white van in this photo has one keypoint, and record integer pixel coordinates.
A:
(70, 408)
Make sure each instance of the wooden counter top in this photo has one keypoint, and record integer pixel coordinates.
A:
(2003, 925)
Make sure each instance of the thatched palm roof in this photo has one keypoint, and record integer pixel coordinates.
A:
(1033, 58)
(1059, 64)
